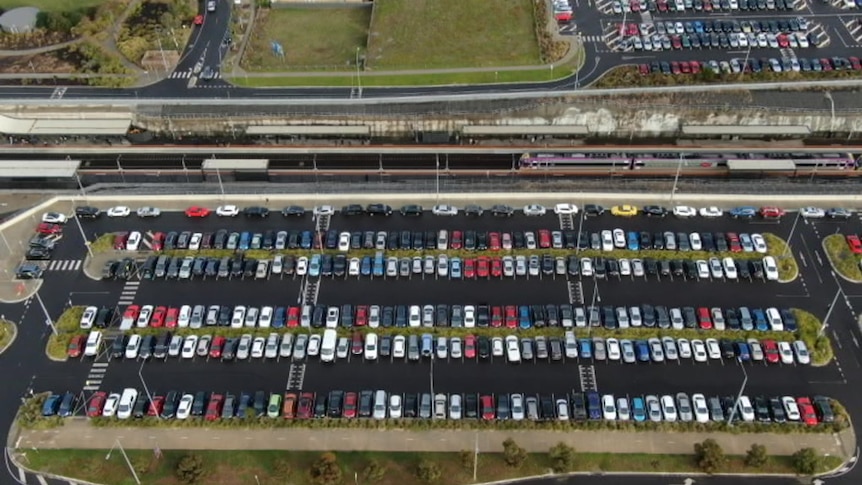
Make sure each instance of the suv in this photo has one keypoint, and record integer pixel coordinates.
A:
(87, 212)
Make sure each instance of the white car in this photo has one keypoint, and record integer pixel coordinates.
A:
(189, 345)
(242, 349)
(684, 348)
(791, 408)
(698, 350)
(323, 210)
(684, 211)
(258, 346)
(534, 210)
(133, 346)
(668, 408)
(565, 209)
(619, 238)
(786, 352)
(133, 243)
(497, 347)
(144, 316)
(702, 269)
(127, 403)
(444, 210)
(227, 211)
(513, 353)
(609, 407)
(370, 352)
(698, 404)
(148, 211)
(695, 242)
(770, 268)
(54, 218)
(712, 349)
(344, 242)
(801, 352)
(314, 343)
(517, 402)
(562, 409)
(812, 212)
(110, 407)
(119, 211)
(301, 266)
(399, 346)
(264, 320)
(184, 409)
(285, 348)
(759, 243)
(89, 317)
(185, 316)
(711, 211)
(729, 267)
(745, 409)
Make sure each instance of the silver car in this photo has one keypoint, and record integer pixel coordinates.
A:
(299, 347)
(244, 347)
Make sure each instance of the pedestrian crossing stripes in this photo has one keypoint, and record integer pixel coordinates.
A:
(130, 289)
(187, 75)
(64, 265)
(96, 376)
(592, 38)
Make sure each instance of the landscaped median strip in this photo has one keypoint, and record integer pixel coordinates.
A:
(818, 345)
(842, 258)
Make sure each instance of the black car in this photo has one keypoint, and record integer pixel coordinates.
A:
(593, 210)
(255, 211)
(484, 347)
(378, 210)
(40, 241)
(147, 344)
(260, 402)
(473, 210)
(335, 404)
(366, 403)
(471, 406)
(28, 271)
(140, 408)
(352, 210)
(169, 409)
(39, 253)
(293, 210)
(411, 405)
(87, 212)
(118, 347)
(655, 211)
(228, 351)
(823, 409)
(504, 407)
(547, 409)
(411, 210)
(199, 404)
(320, 406)
(502, 210)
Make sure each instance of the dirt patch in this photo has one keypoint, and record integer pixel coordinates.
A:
(59, 61)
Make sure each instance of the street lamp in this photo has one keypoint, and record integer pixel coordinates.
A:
(738, 396)
(125, 457)
(48, 320)
(829, 312)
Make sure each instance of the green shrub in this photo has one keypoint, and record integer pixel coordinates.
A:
(806, 461)
(756, 456)
(190, 469)
(562, 457)
(373, 472)
(513, 455)
(818, 345)
(709, 456)
(325, 470)
(428, 471)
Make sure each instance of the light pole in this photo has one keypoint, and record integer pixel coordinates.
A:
(476, 457)
(828, 96)
(829, 312)
(741, 391)
(83, 236)
(792, 231)
(676, 178)
(580, 227)
(125, 457)
(120, 168)
(437, 177)
(358, 75)
(185, 168)
(48, 320)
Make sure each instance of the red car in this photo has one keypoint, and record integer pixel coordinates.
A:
(217, 346)
(826, 64)
(703, 318)
(158, 241)
(120, 239)
(470, 347)
(487, 403)
(511, 316)
(469, 268)
(293, 316)
(349, 410)
(97, 402)
(158, 318)
(733, 242)
(305, 407)
(496, 267)
(770, 350)
(361, 316)
(172, 317)
(131, 312)
(48, 228)
(76, 346)
(356, 344)
(456, 240)
(544, 238)
(854, 243)
(199, 19)
(483, 266)
(783, 42)
(288, 406)
(156, 406)
(676, 43)
(197, 211)
(494, 241)
(771, 212)
(662, 6)
(643, 69)
(214, 407)
(635, 6)
(496, 316)
(695, 67)
(674, 67)
(684, 66)
(806, 409)
(855, 63)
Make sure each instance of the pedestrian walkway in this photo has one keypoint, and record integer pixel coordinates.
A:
(188, 74)
(127, 296)
(64, 265)
(96, 376)
(78, 433)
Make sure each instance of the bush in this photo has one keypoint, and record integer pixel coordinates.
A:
(190, 469)
(373, 472)
(428, 471)
(806, 461)
(513, 455)
(562, 457)
(325, 471)
(842, 259)
(818, 345)
(709, 456)
(756, 456)
(282, 468)
(467, 458)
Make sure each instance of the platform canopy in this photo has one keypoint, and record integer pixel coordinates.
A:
(321, 130)
(517, 130)
(760, 165)
(65, 126)
(750, 130)
(38, 168)
(230, 164)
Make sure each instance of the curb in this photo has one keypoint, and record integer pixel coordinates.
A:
(14, 335)
(26, 296)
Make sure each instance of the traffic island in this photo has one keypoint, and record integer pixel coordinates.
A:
(67, 327)
(841, 258)
(8, 333)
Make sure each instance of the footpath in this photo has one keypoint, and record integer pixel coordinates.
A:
(78, 433)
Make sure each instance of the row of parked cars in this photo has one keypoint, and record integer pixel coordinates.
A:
(371, 347)
(737, 66)
(443, 315)
(627, 6)
(636, 40)
(41, 245)
(368, 404)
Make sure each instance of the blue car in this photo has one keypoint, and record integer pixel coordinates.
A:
(314, 265)
(305, 240)
(455, 268)
(594, 405)
(524, 320)
(51, 405)
(638, 409)
(379, 267)
(244, 241)
(698, 26)
(742, 350)
(642, 350)
(760, 322)
(585, 348)
(279, 317)
(67, 405)
(634, 241)
(365, 266)
(746, 212)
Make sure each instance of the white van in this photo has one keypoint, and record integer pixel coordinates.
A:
(327, 347)
(94, 343)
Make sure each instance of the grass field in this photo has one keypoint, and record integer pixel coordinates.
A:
(839, 254)
(279, 467)
(51, 5)
(427, 34)
(312, 38)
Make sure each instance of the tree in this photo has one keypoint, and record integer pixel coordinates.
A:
(373, 471)
(806, 461)
(466, 459)
(562, 457)
(756, 456)
(428, 471)
(282, 468)
(325, 471)
(513, 454)
(709, 456)
(190, 469)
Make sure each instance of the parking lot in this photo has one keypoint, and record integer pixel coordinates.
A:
(725, 37)
(447, 373)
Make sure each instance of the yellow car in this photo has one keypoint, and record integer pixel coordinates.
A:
(624, 210)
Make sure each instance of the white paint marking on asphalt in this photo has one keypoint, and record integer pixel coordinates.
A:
(21, 475)
(802, 258)
(855, 342)
(817, 255)
(836, 339)
(41, 480)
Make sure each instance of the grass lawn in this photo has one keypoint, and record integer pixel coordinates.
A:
(51, 5)
(427, 34)
(7, 330)
(839, 254)
(279, 467)
(312, 38)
